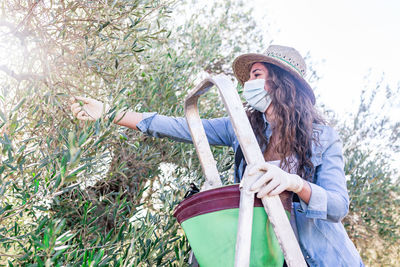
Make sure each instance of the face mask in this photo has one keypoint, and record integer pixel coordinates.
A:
(255, 94)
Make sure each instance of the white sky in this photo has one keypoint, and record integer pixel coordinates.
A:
(345, 38)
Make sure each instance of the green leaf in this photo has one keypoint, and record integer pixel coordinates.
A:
(64, 247)
(102, 26)
(40, 208)
(5, 208)
(19, 104)
(58, 181)
(98, 257)
(72, 175)
(46, 239)
(2, 116)
(127, 35)
(60, 226)
(64, 161)
(76, 156)
(65, 237)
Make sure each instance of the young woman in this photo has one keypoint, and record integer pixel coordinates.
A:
(303, 156)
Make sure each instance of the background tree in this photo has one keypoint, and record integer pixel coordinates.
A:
(371, 148)
(72, 193)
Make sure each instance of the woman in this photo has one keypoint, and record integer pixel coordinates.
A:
(303, 156)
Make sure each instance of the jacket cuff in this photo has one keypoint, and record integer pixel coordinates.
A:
(317, 206)
(147, 118)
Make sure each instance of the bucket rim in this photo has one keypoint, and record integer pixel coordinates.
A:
(216, 199)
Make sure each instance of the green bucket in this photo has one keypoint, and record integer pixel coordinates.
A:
(210, 220)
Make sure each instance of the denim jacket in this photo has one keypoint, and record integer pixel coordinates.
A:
(322, 237)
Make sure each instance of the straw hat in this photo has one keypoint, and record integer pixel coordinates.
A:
(284, 57)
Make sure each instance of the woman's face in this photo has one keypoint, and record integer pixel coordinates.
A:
(259, 71)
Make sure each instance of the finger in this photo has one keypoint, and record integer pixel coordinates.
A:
(279, 189)
(268, 188)
(75, 107)
(262, 166)
(261, 181)
(82, 115)
(76, 111)
(86, 118)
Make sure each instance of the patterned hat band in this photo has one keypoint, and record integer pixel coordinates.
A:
(284, 61)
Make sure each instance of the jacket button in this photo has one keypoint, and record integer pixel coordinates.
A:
(307, 257)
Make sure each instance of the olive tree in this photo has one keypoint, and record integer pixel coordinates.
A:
(92, 193)
(371, 140)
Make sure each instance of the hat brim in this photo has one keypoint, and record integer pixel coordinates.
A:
(243, 63)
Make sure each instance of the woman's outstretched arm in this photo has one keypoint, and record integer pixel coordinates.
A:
(90, 110)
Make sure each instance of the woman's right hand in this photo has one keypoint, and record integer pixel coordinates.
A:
(88, 109)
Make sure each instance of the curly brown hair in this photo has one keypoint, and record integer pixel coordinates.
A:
(292, 126)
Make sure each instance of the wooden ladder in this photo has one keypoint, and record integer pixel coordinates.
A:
(252, 153)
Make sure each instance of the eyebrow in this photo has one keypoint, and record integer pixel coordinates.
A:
(256, 70)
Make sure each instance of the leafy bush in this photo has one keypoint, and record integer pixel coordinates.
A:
(92, 194)
(371, 149)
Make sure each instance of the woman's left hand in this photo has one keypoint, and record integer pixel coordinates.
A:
(274, 181)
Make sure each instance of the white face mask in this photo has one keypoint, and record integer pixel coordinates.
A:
(256, 95)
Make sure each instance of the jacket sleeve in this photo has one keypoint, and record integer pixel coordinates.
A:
(218, 131)
(329, 197)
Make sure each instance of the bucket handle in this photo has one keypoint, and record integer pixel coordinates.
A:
(252, 153)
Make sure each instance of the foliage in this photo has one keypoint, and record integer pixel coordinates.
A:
(88, 193)
(371, 146)
(93, 194)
